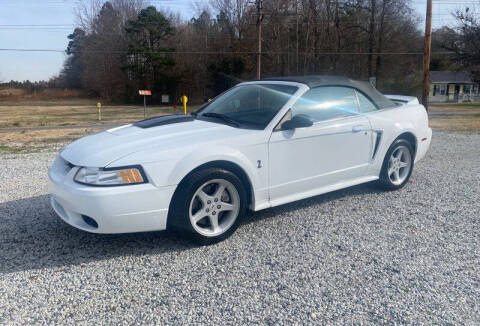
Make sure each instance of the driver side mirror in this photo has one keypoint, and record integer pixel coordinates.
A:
(298, 121)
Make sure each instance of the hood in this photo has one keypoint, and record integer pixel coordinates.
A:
(101, 149)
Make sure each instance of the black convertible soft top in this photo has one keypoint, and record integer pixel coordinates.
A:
(327, 80)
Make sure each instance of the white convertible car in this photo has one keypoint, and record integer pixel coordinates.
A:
(258, 145)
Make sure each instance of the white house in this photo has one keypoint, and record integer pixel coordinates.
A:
(453, 86)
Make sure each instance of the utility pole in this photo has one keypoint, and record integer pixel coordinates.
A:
(259, 31)
(426, 55)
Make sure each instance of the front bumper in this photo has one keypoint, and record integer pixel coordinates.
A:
(124, 209)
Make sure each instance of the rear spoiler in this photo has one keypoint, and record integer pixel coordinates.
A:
(404, 100)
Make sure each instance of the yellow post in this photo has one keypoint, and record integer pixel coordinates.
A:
(184, 99)
(99, 106)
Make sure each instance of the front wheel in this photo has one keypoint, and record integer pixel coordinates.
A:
(397, 165)
(208, 205)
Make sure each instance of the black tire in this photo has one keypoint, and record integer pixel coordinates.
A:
(179, 212)
(385, 181)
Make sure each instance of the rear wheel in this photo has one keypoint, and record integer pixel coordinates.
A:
(208, 205)
(397, 165)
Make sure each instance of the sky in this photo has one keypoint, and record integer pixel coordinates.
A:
(35, 66)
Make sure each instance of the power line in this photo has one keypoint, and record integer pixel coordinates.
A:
(221, 52)
(35, 29)
(34, 25)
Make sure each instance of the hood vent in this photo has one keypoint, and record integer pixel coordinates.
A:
(165, 120)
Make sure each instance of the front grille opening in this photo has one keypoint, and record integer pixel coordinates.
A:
(90, 221)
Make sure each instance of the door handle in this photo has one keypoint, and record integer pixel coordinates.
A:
(357, 128)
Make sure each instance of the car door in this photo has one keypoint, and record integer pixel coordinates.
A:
(335, 149)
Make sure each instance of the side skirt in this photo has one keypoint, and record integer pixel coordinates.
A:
(314, 192)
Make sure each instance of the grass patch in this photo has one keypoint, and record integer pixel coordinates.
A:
(62, 115)
(463, 104)
(42, 137)
(454, 106)
(455, 117)
(21, 149)
(456, 123)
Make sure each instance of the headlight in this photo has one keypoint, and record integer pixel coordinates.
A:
(111, 176)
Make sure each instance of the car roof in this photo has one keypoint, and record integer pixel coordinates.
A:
(329, 80)
(313, 80)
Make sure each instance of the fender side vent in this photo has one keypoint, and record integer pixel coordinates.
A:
(378, 138)
(164, 120)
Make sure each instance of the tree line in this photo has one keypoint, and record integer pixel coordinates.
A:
(121, 46)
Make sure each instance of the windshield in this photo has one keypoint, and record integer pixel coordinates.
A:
(248, 106)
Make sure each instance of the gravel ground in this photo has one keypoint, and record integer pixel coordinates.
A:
(356, 256)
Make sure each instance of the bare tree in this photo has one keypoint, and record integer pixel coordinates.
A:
(86, 11)
(464, 40)
(217, 47)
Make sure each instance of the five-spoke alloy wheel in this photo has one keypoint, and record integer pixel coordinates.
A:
(214, 207)
(397, 166)
(208, 205)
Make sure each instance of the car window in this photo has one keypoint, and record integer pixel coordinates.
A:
(365, 105)
(251, 105)
(325, 103)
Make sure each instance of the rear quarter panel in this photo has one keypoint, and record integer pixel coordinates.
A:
(412, 118)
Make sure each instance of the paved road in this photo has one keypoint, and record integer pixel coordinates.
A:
(356, 256)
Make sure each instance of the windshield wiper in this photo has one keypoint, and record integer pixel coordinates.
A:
(220, 116)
